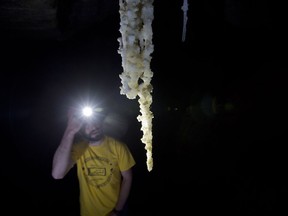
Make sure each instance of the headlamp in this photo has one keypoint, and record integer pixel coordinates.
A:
(92, 113)
(87, 111)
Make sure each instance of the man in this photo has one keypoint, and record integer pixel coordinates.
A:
(104, 165)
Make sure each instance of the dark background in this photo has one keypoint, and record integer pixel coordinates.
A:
(218, 102)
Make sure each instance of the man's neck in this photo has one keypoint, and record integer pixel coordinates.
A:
(96, 143)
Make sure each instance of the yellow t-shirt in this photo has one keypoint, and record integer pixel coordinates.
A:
(98, 170)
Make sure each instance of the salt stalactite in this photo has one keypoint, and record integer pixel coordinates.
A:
(185, 18)
(135, 48)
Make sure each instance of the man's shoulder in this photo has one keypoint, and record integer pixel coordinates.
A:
(80, 144)
(111, 139)
(115, 142)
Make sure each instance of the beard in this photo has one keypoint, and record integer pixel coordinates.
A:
(94, 136)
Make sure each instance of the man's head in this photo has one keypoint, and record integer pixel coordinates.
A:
(93, 121)
(93, 130)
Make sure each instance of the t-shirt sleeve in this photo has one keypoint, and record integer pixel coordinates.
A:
(126, 159)
(77, 150)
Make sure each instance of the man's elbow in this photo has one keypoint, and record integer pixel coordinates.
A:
(57, 175)
(59, 172)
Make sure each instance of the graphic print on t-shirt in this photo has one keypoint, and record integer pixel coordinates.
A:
(98, 171)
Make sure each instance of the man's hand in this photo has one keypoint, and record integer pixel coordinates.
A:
(74, 121)
(114, 213)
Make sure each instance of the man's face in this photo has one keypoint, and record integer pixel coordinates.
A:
(93, 130)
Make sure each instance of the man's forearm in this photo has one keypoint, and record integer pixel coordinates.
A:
(124, 193)
(62, 161)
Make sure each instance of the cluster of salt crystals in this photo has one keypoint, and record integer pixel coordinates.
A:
(135, 48)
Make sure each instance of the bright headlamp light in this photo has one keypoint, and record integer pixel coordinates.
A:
(92, 113)
(87, 111)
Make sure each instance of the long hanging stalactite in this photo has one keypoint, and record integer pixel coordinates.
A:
(136, 48)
